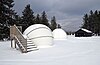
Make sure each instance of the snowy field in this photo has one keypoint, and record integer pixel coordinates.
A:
(71, 51)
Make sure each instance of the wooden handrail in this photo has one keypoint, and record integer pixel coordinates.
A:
(17, 36)
(21, 47)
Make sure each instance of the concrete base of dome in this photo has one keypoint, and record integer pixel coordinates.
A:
(43, 42)
(44, 46)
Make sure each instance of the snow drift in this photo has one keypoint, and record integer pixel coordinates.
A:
(72, 51)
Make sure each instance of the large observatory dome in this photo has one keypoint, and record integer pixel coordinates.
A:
(40, 35)
(59, 34)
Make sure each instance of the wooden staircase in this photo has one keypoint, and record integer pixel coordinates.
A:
(25, 45)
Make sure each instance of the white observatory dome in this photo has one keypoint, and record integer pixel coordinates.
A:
(59, 34)
(40, 35)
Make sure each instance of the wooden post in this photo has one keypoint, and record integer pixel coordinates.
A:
(11, 35)
(11, 43)
(15, 43)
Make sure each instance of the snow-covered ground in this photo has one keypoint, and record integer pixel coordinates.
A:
(71, 51)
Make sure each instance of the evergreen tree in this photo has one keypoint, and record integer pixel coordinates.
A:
(53, 23)
(28, 18)
(59, 26)
(85, 20)
(91, 12)
(44, 19)
(17, 19)
(97, 19)
(92, 22)
(38, 19)
(6, 16)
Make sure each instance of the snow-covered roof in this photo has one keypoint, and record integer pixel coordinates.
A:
(86, 30)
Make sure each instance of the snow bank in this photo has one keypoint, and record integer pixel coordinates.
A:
(72, 51)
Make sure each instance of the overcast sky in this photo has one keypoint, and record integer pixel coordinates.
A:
(68, 13)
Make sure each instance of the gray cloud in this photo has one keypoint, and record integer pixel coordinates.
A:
(68, 12)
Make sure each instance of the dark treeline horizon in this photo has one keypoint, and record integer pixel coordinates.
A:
(91, 22)
(9, 17)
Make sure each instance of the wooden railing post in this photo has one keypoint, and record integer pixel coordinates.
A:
(11, 43)
(11, 35)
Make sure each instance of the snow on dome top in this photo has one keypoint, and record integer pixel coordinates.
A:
(86, 30)
(33, 27)
(59, 34)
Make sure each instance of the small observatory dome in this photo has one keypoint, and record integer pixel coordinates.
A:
(59, 34)
(40, 35)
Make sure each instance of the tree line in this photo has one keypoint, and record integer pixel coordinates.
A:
(91, 22)
(9, 17)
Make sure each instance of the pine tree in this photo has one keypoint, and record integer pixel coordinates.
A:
(53, 23)
(38, 19)
(85, 21)
(92, 22)
(99, 22)
(59, 26)
(96, 18)
(44, 19)
(17, 19)
(6, 16)
(28, 18)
